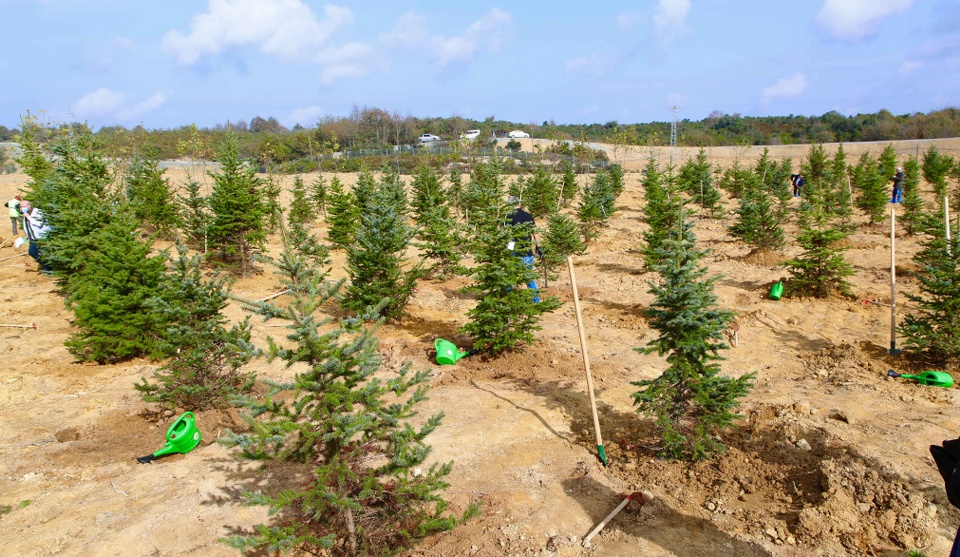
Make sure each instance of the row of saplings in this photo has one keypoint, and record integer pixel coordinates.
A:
(368, 492)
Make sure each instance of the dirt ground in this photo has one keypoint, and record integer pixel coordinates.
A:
(831, 458)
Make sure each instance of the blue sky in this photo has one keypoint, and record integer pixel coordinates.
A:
(177, 62)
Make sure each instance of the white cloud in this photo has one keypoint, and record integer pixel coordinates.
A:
(627, 20)
(486, 33)
(101, 102)
(285, 29)
(305, 116)
(349, 60)
(786, 87)
(112, 106)
(670, 20)
(410, 31)
(856, 19)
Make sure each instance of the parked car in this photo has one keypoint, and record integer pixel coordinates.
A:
(517, 134)
(471, 134)
(428, 138)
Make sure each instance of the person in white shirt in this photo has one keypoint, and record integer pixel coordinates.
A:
(37, 229)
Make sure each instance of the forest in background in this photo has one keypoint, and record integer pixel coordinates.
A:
(369, 128)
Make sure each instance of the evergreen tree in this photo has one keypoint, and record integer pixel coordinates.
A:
(301, 209)
(375, 260)
(206, 356)
(936, 166)
(838, 197)
(781, 186)
(484, 196)
(568, 182)
(455, 191)
(560, 239)
(661, 213)
(759, 223)
(437, 231)
(34, 156)
(505, 316)
(734, 179)
(689, 401)
(364, 189)
(616, 180)
(109, 294)
(815, 170)
(872, 186)
(318, 195)
(343, 216)
(150, 196)
(194, 215)
(238, 226)
(821, 269)
(349, 430)
(271, 204)
(913, 205)
(696, 179)
(596, 205)
(932, 329)
(542, 194)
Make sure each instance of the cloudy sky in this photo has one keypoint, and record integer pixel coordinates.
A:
(177, 62)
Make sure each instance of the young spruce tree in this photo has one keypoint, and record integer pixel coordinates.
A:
(689, 401)
(205, 356)
(150, 196)
(366, 488)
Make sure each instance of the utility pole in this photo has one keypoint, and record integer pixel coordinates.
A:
(673, 132)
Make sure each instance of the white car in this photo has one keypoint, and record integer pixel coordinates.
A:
(471, 134)
(428, 138)
(517, 134)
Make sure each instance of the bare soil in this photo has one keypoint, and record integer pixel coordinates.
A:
(830, 459)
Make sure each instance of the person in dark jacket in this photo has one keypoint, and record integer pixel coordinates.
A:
(897, 195)
(520, 217)
(798, 181)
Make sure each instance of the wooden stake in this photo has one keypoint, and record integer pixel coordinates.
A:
(586, 361)
(272, 296)
(30, 326)
(13, 256)
(893, 284)
(946, 221)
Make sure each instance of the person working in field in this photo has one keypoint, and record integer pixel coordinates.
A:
(13, 208)
(36, 227)
(897, 195)
(524, 248)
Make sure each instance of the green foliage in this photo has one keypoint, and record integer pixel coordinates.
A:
(541, 194)
(616, 179)
(597, 203)
(367, 488)
(33, 159)
(735, 179)
(689, 401)
(661, 213)
(239, 210)
(513, 145)
(318, 195)
(271, 204)
(568, 182)
(872, 185)
(437, 231)
(301, 209)
(560, 239)
(696, 179)
(379, 276)
(150, 196)
(936, 166)
(913, 205)
(821, 269)
(109, 295)
(484, 196)
(343, 216)
(932, 328)
(759, 223)
(194, 215)
(206, 356)
(505, 316)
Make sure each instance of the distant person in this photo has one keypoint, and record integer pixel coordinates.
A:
(897, 195)
(798, 182)
(13, 209)
(517, 218)
(36, 227)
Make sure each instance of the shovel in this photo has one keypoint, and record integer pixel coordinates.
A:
(182, 437)
(932, 378)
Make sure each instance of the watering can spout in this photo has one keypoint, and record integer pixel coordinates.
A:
(447, 352)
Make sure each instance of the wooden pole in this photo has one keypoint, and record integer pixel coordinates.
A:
(30, 326)
(13, 256)
(586, 361)
(893, 284)
(636, 495)
(946, 221)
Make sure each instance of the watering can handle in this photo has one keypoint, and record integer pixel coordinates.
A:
(436, 343)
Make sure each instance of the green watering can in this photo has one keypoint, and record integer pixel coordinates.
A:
(932, 378)
(182, 437)
(447, 352)
(776, 291)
